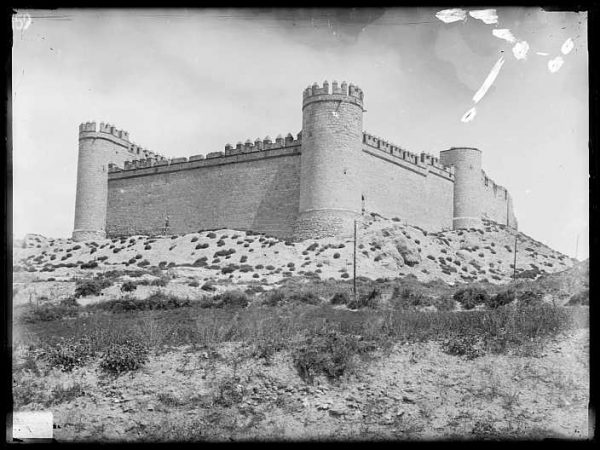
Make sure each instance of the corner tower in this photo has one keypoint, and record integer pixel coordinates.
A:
(467, 185)
(97, 149)
(330, 189)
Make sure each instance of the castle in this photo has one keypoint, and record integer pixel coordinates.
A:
(311, 185)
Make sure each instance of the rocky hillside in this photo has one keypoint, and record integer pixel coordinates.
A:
(385, 249)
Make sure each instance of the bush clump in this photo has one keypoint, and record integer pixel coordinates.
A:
(128, 286)
(48, 311)
(156, 301)
(94, 286)
(340, 298)
(471, 297)
(529, 298)
(580, 298)
(468, 345)
(500, 299)
(230, 299)
(67, 354)
(89, 265)
(122, 357)
(327, 352)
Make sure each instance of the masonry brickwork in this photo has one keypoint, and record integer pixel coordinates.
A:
(311, 185)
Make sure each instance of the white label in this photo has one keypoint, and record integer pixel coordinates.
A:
(32, 425)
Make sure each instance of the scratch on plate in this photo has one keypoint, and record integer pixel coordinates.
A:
(504, 33)
(469, 115)
(555, 64)
(520, 50)
(489, 80)
(487, 16)
(451, 15)
(567, 46)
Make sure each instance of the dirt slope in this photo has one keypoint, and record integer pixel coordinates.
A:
(385, 249)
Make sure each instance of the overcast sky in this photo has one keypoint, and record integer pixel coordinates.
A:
(186, 82)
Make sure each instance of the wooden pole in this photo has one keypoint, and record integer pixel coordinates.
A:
(515, 261)
(354, 264)
(577, 246)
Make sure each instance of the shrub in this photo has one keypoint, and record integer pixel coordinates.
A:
(312, 247)
(128, 286)
(84, 288)
(500, 299)
(194, 283)
(366, 301)
(67, 354)
(325, 352)
(48, 311)
(345, 275)
(124, 357)
(195, 238)
(336, 255)
(305, 297)
(229, 269)
(580, 298)
(224, 252)
(143, 263)
(160, 282)
(231, 299)
(89, 265)
(208, 286)
(444, 303)
(471, 297)
(273, 298)
(530, 298)
(270, 267)
(340, 298)
(201, 246)
(467, 345)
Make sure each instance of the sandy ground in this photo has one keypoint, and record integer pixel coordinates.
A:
(415, 392)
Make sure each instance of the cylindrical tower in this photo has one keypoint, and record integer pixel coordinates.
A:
(467, 185)
(330, 184)
(92, 186)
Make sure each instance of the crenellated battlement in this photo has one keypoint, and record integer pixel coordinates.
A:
(488, 183)
(248, 147)
(267, 143)
(423, 160)
(88, 130)
(343, 92)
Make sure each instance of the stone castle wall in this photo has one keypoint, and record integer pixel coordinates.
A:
(398, 183)
(496, 202)
(254, 191)
(308, 187)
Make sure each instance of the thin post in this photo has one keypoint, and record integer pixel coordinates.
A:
(515, 261)
(577, 247)
(354, 263)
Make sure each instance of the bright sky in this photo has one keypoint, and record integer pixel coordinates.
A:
(186, 82)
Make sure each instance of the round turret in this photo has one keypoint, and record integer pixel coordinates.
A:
(467, 185)
(330, 185)
(92, 187)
